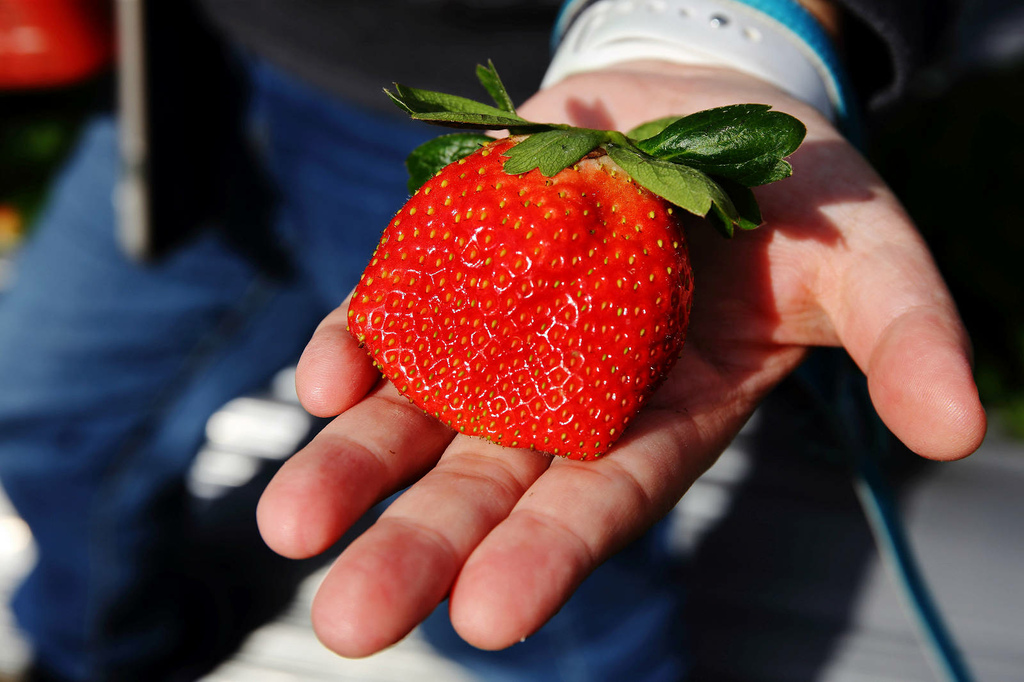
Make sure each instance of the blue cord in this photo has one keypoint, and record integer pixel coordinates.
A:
(879, 506)
(839, 387)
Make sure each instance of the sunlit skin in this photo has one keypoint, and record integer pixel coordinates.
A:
(509, 534)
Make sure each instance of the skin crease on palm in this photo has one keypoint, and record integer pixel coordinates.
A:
(509, 534)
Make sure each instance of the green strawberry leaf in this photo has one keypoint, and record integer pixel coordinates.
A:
(745, 143)
(744, 201)
(651, 128)
(757, 172)
(435, 154)
(687, 188)
(454, 119)
(704, 163)
(438, 107)
(489, 78)
(724, 215)
(719, 220)
(552, 150)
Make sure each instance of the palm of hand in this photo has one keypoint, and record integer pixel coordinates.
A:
(509, 534)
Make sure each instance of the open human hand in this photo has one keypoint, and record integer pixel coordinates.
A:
(509, 534)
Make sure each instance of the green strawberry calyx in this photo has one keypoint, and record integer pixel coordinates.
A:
(704, 163)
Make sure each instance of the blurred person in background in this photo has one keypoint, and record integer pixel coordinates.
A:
(275, 163)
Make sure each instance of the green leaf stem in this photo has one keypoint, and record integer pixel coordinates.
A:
(704, 163)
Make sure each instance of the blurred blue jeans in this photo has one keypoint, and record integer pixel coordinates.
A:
(110, 369)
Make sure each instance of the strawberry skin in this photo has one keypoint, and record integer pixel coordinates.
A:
(533, 311)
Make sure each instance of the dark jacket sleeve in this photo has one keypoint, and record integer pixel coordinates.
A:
(888, 42)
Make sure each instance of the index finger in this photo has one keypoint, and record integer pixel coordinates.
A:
(886, 303)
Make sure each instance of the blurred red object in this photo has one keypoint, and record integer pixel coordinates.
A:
(11, 227)
(52, 43)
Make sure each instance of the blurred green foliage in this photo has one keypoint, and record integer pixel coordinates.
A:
(37, 129)
(956, 159)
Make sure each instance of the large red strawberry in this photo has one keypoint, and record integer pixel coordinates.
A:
(537, 312)
(535, 290)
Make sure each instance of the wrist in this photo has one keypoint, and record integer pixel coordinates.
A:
(782, 42)
(623, 96)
